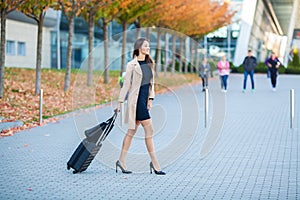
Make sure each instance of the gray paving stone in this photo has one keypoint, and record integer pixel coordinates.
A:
(8, 125)
(256, 154)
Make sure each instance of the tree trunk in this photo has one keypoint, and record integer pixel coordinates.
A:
(91, 46)
(2, 51)
(197, 59)
(191, 46)
(180, 55)
(166, 53)
(106, 69)
(158, 57)
(192, 53)
(124, 46)
(39, 54)
(138, 28)
(138, 33)
(173, 53)
(148, 33)
(185, 55)
(69, 55)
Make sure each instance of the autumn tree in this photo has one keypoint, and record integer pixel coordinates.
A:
(201, 17)
(159, 16)
(36, 9)
(89, 12)
(129, 12)
(218, 15)
(193, 18)
(104, 16)
(71, 9)
(6, 7)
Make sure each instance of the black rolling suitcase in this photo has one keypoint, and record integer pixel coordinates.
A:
(90, 146)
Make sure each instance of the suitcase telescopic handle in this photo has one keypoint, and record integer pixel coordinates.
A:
(113, 117)
(108, 128)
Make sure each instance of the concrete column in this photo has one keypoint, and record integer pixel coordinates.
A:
(247, 17)
(291, 31)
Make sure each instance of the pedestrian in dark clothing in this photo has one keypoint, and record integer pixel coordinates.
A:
(249, 64)
(139, 85)
(204, 73)
(273, 64)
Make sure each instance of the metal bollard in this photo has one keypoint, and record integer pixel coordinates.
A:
(292, 108)
(41, 106)
(206, 108)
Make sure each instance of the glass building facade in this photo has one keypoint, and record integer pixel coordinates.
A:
(224, 40)
(80, 41)
(252, 28)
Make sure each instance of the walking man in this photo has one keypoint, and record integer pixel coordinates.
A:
(249, 64)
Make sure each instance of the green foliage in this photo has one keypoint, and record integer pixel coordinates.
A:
(261, 68)
(236, 69)
(10, 5)
(35, 9)
(294, 66)
(292, 70)
(295, 61)
(189, 67)
(281, 70)
(177, 66)
(108, 12)
(70, 8)
(93, 8)
(212, 63)
(130, 10)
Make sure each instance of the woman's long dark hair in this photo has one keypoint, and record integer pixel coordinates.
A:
(137, 45)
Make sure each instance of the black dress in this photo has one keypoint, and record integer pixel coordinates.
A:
(142, 112)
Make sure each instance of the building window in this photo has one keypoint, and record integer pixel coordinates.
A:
(10, 47)
(21, 48)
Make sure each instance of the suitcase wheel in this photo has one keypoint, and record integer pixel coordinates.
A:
(75, 172)
(68, 167)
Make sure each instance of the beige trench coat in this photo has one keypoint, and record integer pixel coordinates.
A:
(132, 84)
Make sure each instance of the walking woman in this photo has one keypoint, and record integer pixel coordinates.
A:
(139, 83)
(273, 64)
(224, 70)
(204, 73)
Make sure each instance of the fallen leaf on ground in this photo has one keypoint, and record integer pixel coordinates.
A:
(21, 103)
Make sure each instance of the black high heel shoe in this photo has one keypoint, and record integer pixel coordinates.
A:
(155, 171)
(124, 171)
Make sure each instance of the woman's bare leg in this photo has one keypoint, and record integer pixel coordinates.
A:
(149, 132)
(126, 144)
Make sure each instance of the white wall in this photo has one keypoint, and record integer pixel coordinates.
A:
(247, 17)
(25, 32)
(257, 33)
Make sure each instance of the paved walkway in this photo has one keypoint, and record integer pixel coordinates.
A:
(248, 150)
